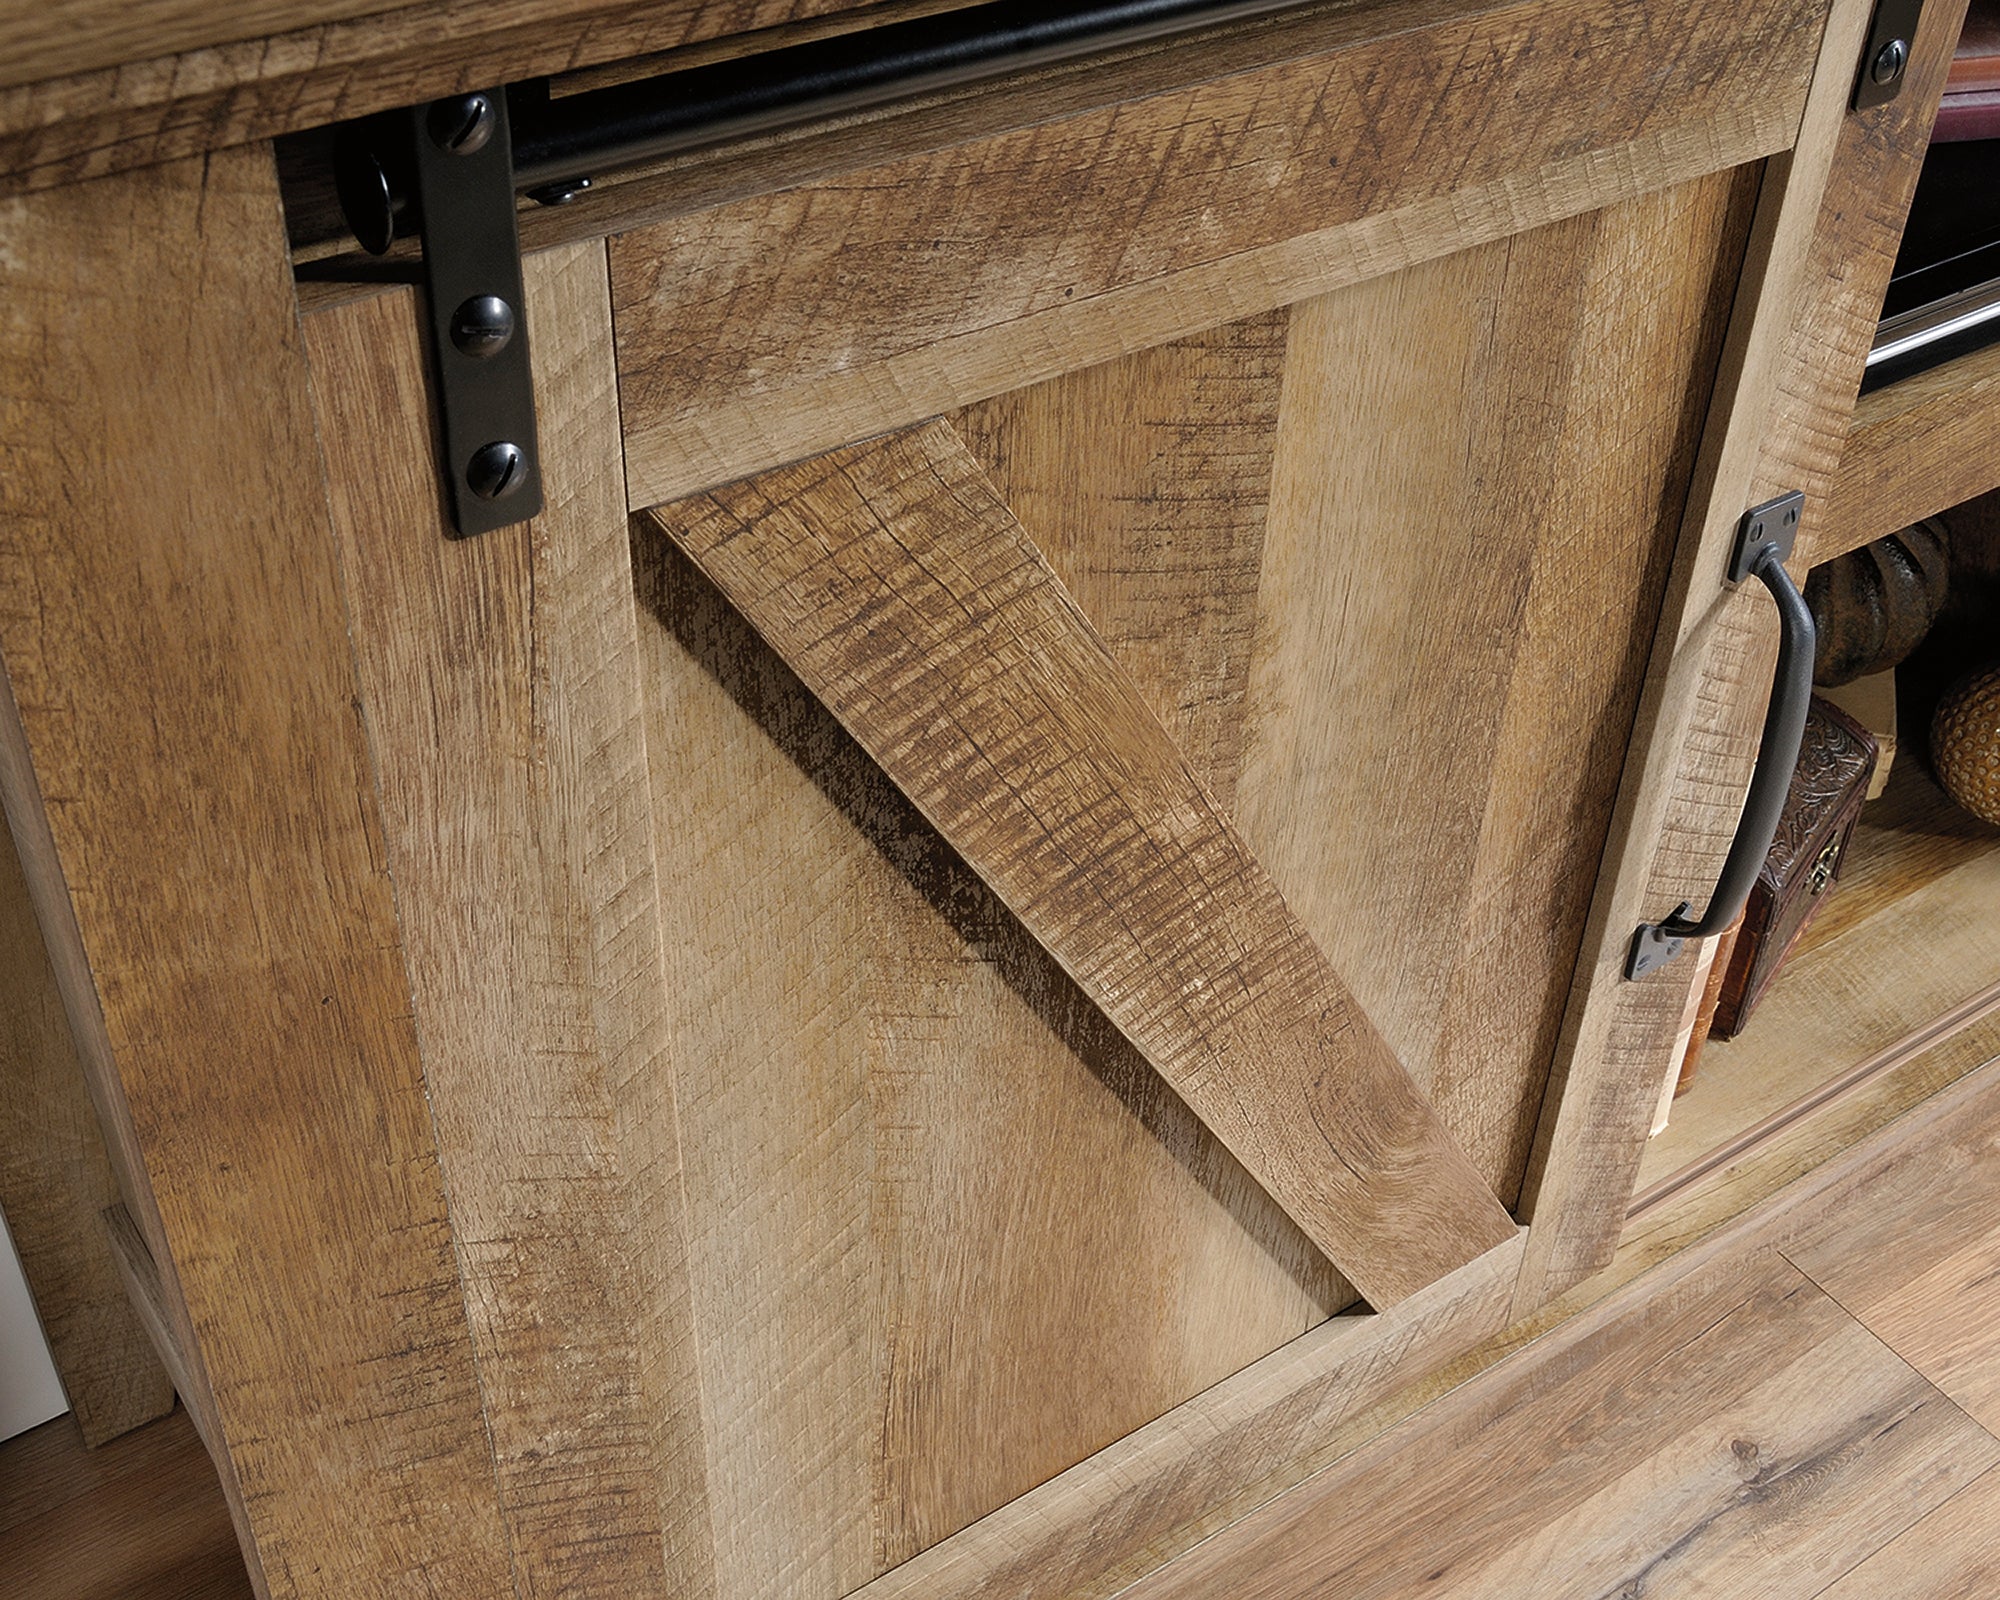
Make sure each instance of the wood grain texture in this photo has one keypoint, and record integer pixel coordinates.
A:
(1738, 1417)
(1907, 839)
(1950, 1555)
(55, 1180)
(1144, 483)
(139, 1519)
(1476, 415)
(1916, 448)
(501, 690)
(1922, 1270)
(951, 1234)
(177, 654)
(777, 326)
(1682, 789)
(105, 85)
(897, 584)
(1115, 1516)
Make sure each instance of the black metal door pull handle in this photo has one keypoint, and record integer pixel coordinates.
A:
(1762, 543)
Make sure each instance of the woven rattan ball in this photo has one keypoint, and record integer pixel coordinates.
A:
(1965, 743)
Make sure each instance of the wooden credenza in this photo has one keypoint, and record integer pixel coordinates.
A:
(1013, 906)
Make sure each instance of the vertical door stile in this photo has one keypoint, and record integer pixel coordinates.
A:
(500, 677)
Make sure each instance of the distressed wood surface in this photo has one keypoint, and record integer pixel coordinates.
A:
(1915, 448)
(897, 584)
(208, 852)
(1476, 415)
(1682, 789)
(55, 1181)
(950, 1233)
(1950, 1555)
(782, 325)
(500, 682)
(1877, 159)
(1119, 1514)
(139, 1276)
(1144, 482)
(101, 86)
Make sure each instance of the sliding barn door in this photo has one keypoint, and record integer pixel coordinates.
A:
(931, 955)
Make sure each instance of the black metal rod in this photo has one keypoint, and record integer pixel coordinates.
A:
(558, 141)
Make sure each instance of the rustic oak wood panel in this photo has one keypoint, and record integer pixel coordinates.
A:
(55, 1181)
(1115, 1516)
(1737, 1416)
(143, 1286)
(900, 587)
(1144, 483)
(950, 1233)
(781, 325)
(1682, 789)
(1915, 448)
(501, 692)
(176, 648)
(1473, 513)
(104, 85)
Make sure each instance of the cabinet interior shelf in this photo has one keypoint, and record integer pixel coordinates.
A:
(1914, 449)
(1890, 994)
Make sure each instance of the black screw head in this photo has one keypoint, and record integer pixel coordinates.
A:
(482, 326)
(367, 200)
(560, 193)
(496, 470)
(1889, 61)
(462, 125)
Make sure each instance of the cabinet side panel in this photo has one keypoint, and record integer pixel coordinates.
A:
(1480, 469)
(950, 1233)
(176, 646)
(502, 700)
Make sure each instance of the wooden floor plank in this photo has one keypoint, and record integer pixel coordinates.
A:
(1739, 1436)
(141, 1518)
(897, 584)
(1921, 1269)
(1953, 1554)
(1767, 1498)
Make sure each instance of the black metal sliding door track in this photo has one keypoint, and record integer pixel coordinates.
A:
(448, 173)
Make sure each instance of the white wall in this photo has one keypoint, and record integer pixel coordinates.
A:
(30, 1391)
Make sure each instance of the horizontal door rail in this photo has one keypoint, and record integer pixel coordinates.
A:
(560, 143)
